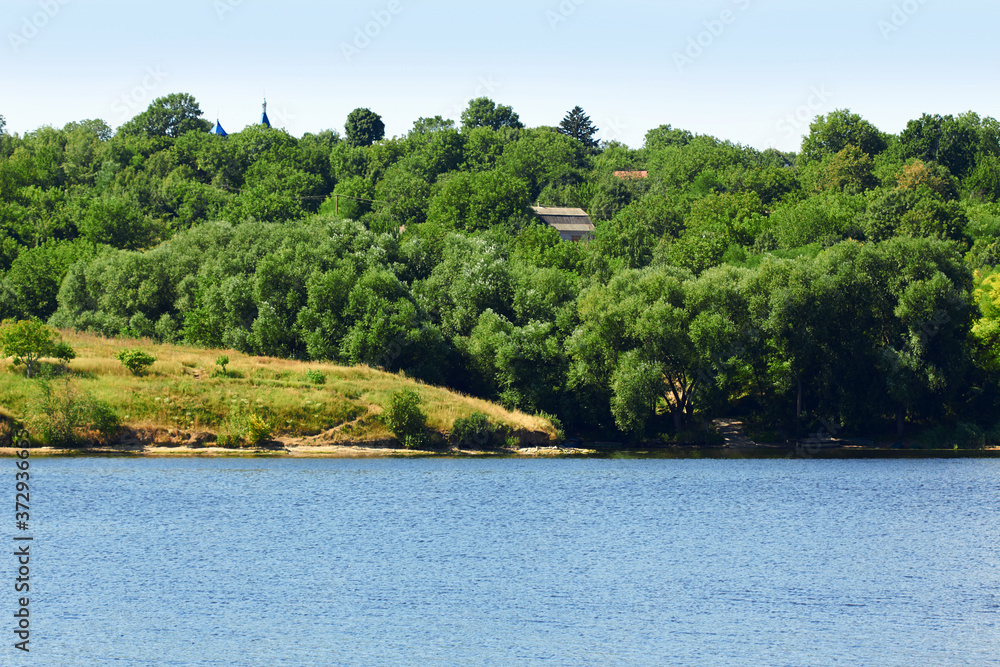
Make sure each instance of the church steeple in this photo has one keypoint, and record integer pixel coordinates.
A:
(264, 120)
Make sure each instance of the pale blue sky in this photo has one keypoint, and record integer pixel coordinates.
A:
(764, 69)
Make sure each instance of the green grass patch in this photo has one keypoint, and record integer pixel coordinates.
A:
(186, 389)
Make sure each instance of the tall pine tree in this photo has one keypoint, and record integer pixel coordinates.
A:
(577, 124)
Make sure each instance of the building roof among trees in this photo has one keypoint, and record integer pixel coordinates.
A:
(218, 129)
(565, 220)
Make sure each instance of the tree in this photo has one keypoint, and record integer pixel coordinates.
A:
(27, 341)
(646, 345)
(484, 112)
(3, 124)
(850, 171)
(665, 135)
(832, 133)
(577, 124)
(986, 330)
(947, 140)
(33, 282)
(542, 157)
(634, 231)
(912, 212)
(425, 126)
(364, 127)
(118, 222)
(170, 116)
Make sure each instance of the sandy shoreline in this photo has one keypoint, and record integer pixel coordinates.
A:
(294, 451)
(375, 451)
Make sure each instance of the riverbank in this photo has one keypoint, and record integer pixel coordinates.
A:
(388, 449)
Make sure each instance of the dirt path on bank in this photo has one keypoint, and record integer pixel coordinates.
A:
(732, 431)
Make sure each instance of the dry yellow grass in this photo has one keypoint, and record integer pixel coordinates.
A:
(180, 392)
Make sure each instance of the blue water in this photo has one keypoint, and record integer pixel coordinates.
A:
(506, 562)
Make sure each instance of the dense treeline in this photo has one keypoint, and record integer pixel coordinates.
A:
(852, 284)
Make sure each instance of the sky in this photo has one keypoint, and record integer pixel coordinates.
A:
(756, 72)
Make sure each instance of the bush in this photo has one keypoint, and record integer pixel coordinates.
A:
(475, 431)
(70, 417)
(315, 377)
(246, 427)
(136, 361)
(963, 435)
(970, 436)
(405, 419)
(556, 424)
(222, 361)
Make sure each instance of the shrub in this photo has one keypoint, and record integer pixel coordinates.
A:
(246, 427)
(315, 377)
(475, 431)
(136, 361)
(964, 435)
(64, 352)
(405, 419)
(222, 361)
(556, 424)
(258, 430)
(101, 422)
(70, 417)
(970, 436)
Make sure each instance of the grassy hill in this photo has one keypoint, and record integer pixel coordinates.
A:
(185, 398)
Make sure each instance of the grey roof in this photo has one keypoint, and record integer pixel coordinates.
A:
(565, 219)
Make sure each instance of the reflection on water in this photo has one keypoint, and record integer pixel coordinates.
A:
(498, 562)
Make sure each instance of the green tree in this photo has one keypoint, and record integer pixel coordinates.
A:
(473, 276)
(912, 212)
(523, 366)
(28, 341)
(850, 171)
(639, 339)
(351, 199)
(275, 192)
(947, 140)
(824, 218)
(31, 287)
(987, 328)
(631, 235)
(837, 130)
(425, 126)
(483, 147)
(983, 182)
(170, 116)
(665, 136)
(715, 224)
(484, 112)
(544, 158)
(577, 124)
(407, 196)
(117, 221)
(364, 127)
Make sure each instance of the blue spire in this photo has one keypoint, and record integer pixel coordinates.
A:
(264, 120)
(218, 129)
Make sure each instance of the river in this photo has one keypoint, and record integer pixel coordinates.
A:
(199, 562)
